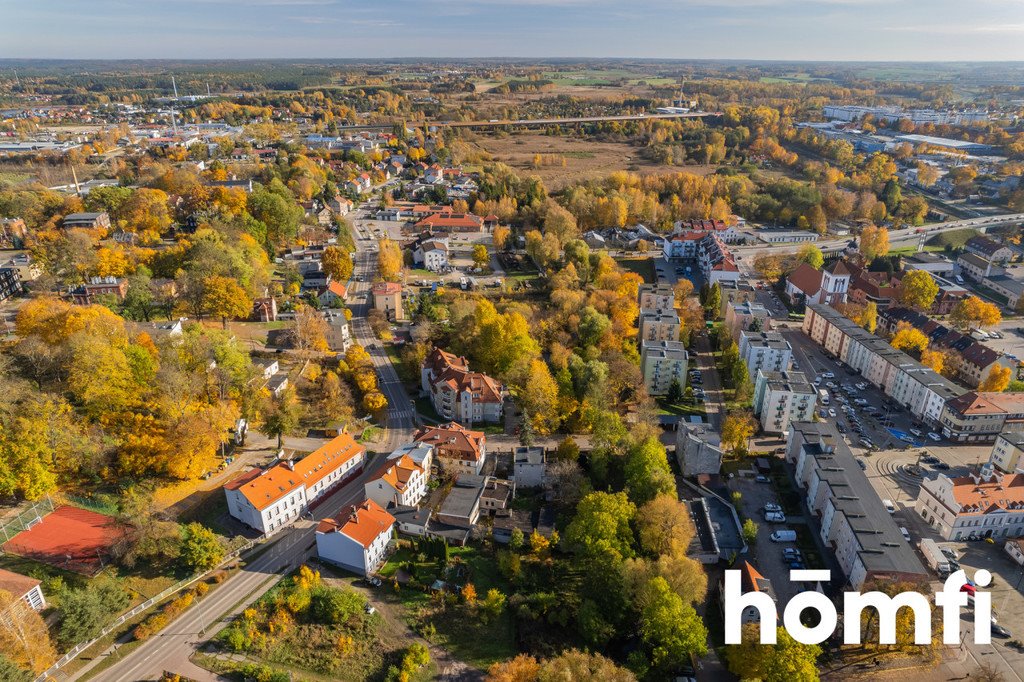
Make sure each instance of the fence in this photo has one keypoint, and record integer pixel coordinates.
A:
(149, 603)
(25, 519)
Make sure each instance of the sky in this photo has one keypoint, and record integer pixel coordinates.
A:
(847, 30)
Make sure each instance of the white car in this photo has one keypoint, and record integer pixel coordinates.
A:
(905, 533)
(817, 381)
(934, 436)
(831, 412)
(828, 375)
(916, 432)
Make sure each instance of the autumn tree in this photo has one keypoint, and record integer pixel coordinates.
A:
(874, 242)
(811, 254)
(768, 266)
(973, 311)
(309, 330)
(682, 290)
(224, 298)
(919, 289)
(500, 237)
(337, 262)
(933, 359)
(910, 339)
(661, 522)
(737, 428)
(480, 256)
(389, 260)
(281, 416)
(24, 637)
(781, 662)
(522, 668)
(201, 548)
(997, 380)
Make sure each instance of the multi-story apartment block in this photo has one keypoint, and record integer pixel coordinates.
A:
(656, 297)
(987, 504)
(976, 417)
(400, 482)
(456, 448)
(1007, 452)
(268, 499)
(743, 315)
(661, 363)
(781, 398)
(849, 516)
(387, 297)
(356, 539)
(766, 351)
(659, 325)
(459, 394)
(716, 261)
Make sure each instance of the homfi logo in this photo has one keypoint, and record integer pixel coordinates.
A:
(951, 599)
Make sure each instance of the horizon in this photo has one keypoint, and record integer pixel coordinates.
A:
(734, 30)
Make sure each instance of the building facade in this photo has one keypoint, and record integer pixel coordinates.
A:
(661, 363)
(781, 398)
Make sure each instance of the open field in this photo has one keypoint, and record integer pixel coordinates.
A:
(584, 159)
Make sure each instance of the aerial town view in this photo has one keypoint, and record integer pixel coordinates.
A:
(512, 341)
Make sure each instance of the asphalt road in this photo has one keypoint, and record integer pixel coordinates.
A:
(171, 649)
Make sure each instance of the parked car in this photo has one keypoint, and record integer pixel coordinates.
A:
(775, 517)
(761, 478)
(934, 436)
(832, 412)
(862, 464)
(941, 466)
(916, 432)
(889, 506)
(930, 460)
(1000, 631)
(905, 533)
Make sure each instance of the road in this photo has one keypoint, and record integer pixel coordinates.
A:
(172, 648)
(497, 123)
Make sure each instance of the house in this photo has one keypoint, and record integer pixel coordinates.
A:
(28, 590)
(978, 360)
(1015, 548)
(339, 336)
(781, 398)
(412, 520)
(1005, 285)
(766, 351)
(497, 495)
(86, 294)
(658, 296)
(845, 510)
(977, 268)
(264, 309)
(86, 221)
(277, 384)
(987, 504)
(976, 417)
(430, 252)
(461, 508)
(10, 283)
(266, 368)
(459, 394)
(698, 450)
(333, 294)
(357, 539)
(529, 465)
(456, 448)
(989, 249)
(268, 499)
(422, 454)
(807, 284)
(662, 363)
(400, 482)
(387, 296)
(339, 205)
(752, 581)
(433, 175)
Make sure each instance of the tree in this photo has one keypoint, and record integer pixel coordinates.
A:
(480, 256)
(737, 428)
(578, 666)
(675, 392)
(874, 242)
(933, 359)
(85, 612)
(337, 262)
(567, 450)
(375, 401)
(500, 237)
(781, 662)
(910, 339)
(10, 672)
(768, 267)
(24, 638)
(998, 379)
(309, 330)
(669, 626)
(749, 531)
(974, 311)
(224, 298)
(201, 548)
(682, 290)
(522, 668)
(389, 260)
(281, 416)
(927, 174)
(647, 472)
(919, 289)
(713, 304)
(811, 254)
(663, 521)
(601, 526)
(869, 318)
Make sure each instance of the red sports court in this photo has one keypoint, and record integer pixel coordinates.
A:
(70, 538)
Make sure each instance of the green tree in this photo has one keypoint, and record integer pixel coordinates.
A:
(480, 256)
(675, 392)
(713, 304)
(811, 254)
(567, 450)
(785, 661)
(281, 416)
(669, 626)
(749, 531)
(602, 525)
(331, 605)
(85, 612)
(201, 548)
(647, 471)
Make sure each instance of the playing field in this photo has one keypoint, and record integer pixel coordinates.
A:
(69, 538)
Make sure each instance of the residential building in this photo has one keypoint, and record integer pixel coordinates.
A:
(730, 234)
(1007, 451)
(529, 465)
(752, 581)
(412, 520)
(716, 261)
(431, 253)
(264, 309)
(267, 499)
(400, 482)
(879, 288)
(1015, 548)
(846, 511)
(10, 283)
(807, 284)
(977, 268)
(451, 222)
(989, 249)
(339, 335)
(698, 449)
(661, 363)
(387, 297)
(357, 539)
(86, 221)
(929, 262)
(497, 495)
(767, 351)
(86, 294)
(976, 417)
(743, 315)
(659, 325)
(28, 590)
(781, 398)
(456, 448)
(461, 508)
(459, 394)
(420, 453)
(986, 504)
(675, 247)
(333, 293)
(656, 296)
(1005, 285)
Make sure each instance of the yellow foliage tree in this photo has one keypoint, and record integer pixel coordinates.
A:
(24, 638)
(389, 260)
(910, 339)
(998, 379)
(874, 242)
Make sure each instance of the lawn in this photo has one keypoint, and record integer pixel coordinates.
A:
(467, 636)
(682, 410)
(641, 266)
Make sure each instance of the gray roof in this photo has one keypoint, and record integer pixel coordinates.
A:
(792, 382)
(464, 496)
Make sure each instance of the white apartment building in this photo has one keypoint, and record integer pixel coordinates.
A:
(661, 362)
(988, 504)
(781, 398)
(765, 351)
(1007, 451)
(399, 482)
(659, 325)
(268, 499)
(656, 297)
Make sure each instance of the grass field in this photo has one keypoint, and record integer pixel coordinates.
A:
(641, 266)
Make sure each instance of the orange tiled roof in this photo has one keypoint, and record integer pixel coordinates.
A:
(1003, 492)
(453, 440)
(364, 522)
(337, 288)
(386, 288)
(399, 472)
(16, 583)
(483, 387)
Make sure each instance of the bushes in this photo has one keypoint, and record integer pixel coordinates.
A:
(169, 612)
(261, 673)
(333, 606)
